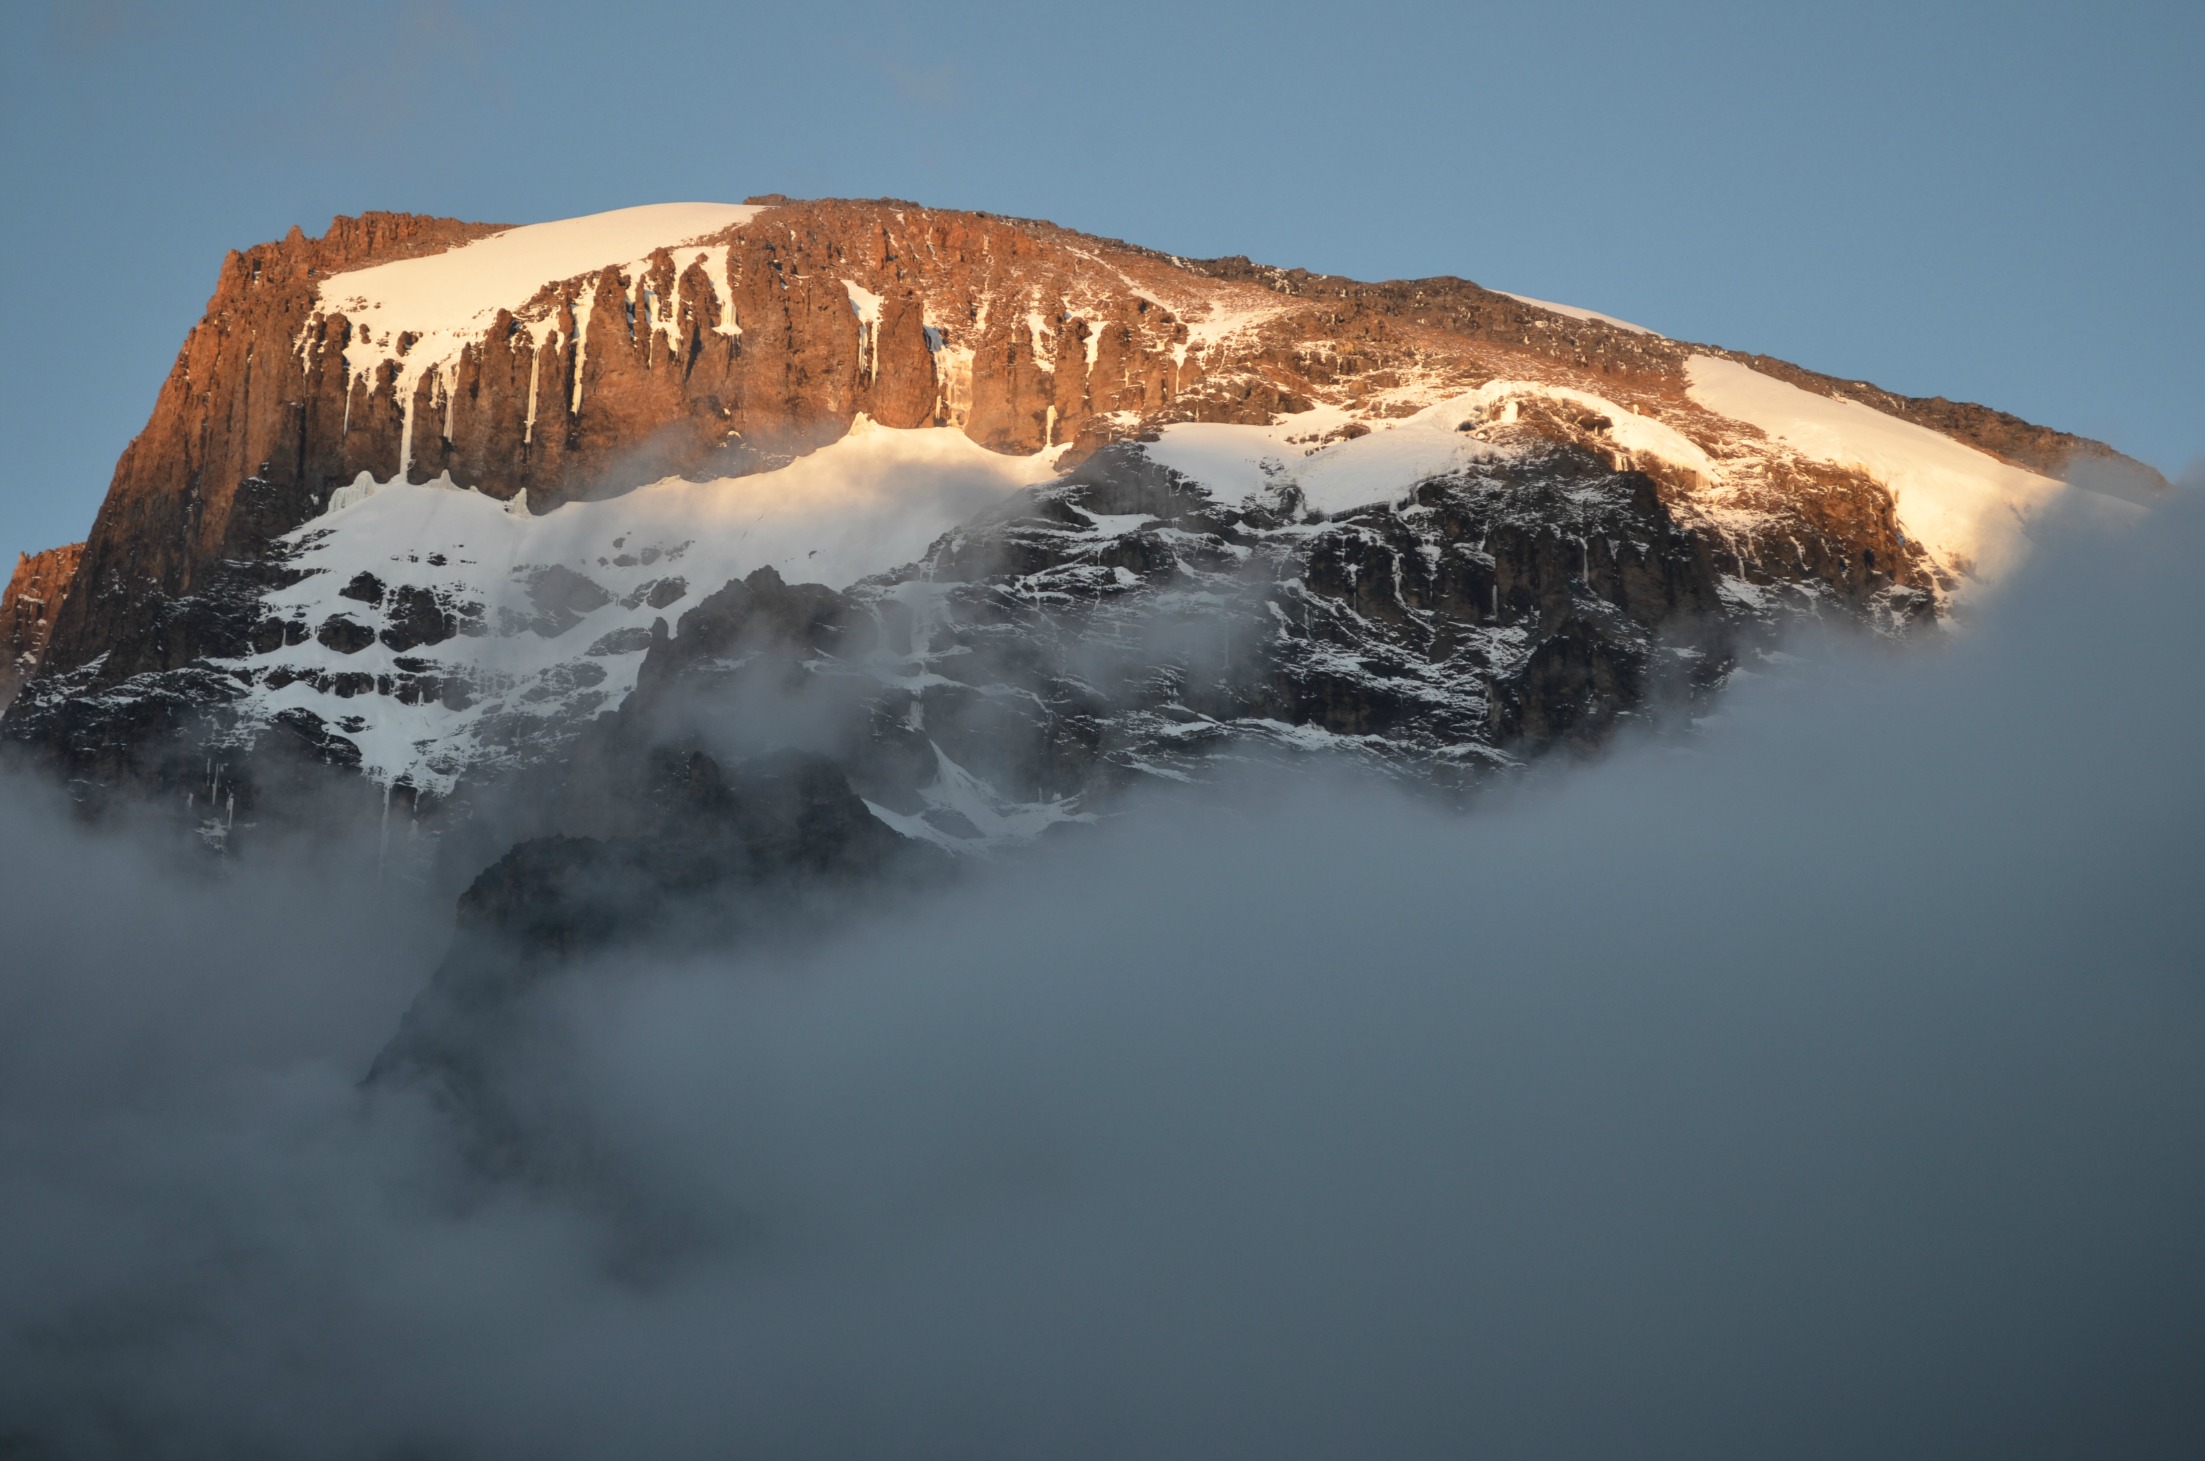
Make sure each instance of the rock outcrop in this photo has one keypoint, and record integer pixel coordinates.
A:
(245, 431)
(1622, 529)
(34, 593)
(764, 342)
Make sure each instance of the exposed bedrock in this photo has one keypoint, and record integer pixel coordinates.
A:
(1021, 333)
(736, 352)
(1123, 624)
(27, 608)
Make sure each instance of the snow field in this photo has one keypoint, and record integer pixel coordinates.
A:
(1968, 509)
(872, 501)
(1237, 461)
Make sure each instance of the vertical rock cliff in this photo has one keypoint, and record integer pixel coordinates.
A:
(34, 593)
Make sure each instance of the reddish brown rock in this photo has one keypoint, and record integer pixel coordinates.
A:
(27, 609)
(1022, 334)
(901, 387)
(246, 434)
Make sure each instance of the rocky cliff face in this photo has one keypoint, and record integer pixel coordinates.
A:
(34, 593)
(238, 446)
(1419, 520)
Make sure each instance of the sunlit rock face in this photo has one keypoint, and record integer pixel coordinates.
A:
(27, 606)
(425, 504)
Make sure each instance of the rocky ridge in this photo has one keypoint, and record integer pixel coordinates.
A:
(1420, 521)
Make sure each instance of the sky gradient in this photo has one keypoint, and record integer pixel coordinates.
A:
(1996, 203)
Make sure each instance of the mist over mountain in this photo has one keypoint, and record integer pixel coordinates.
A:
(833, 827)
(1822, 1080)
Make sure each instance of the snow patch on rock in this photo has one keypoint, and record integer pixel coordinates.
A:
(1575, 313)
(1968, 509)
(555, 610)
(449, 300)
(1236, 462)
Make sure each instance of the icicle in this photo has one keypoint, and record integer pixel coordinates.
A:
(528, 427)
(584, 306)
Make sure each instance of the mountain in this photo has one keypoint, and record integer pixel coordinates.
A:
(988, 518)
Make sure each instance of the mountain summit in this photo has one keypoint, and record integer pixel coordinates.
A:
(1018, 515)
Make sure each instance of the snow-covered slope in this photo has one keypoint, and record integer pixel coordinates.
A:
(554, 611)
(1575, 312)
(1968, 509)
(1388, 458)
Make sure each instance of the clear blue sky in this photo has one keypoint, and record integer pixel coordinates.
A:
(2003, 203)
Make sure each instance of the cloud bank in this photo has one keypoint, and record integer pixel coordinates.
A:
(1825, 1082)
